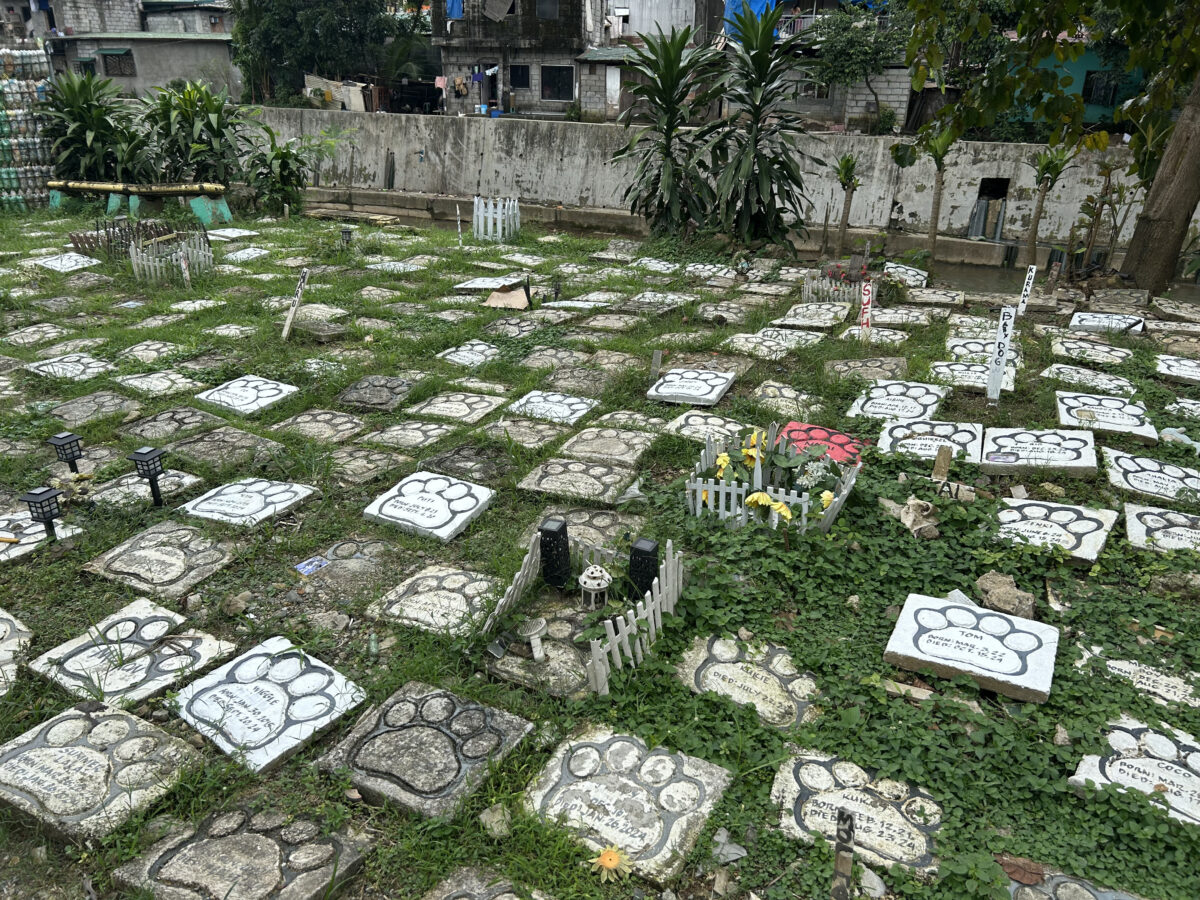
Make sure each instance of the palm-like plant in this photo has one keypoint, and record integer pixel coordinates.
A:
(676, 86)
(199, 133)
(846, 169)
(936, 144)
(86, 120)
(755, 162)
(1048, 166)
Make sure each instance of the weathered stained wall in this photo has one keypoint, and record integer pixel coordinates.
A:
(569, 163)
(158, 61)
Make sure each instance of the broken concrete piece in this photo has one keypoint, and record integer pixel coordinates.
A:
(1000, 592)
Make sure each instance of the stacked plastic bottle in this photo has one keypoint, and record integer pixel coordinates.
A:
(24, 152)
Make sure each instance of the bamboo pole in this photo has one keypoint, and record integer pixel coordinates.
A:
(146, 190)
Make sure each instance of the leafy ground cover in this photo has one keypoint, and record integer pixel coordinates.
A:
(997, 772)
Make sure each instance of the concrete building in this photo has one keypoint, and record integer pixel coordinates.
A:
(140, 44)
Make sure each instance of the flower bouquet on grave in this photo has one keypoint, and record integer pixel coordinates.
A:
(755, 476)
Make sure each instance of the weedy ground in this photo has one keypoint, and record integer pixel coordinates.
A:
(999, 776)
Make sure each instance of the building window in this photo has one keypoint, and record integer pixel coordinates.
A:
(547, 9)
(814, 90)
(120, 64)
(518, 77)
(85, 66)
(1100, 88)
(558, 82)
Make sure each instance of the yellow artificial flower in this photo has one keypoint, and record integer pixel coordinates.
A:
(749, 455)
(722, 460)
(783, 509)
(759, 498)
(826, 499)
(612, 863)
(704, 496)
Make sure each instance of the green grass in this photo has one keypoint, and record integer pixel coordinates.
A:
(998, 775)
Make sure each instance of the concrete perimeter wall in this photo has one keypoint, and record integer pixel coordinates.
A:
(569, 164)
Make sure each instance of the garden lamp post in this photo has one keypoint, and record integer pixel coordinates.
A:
(556, 553)
(347, 236)
(643, 564)
(44, 507)
(68, 447)
(148, 462)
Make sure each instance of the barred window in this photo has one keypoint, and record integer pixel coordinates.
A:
(120, 64)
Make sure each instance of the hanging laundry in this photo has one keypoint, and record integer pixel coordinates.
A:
(492, 71)
(440, 82)
(478, 76)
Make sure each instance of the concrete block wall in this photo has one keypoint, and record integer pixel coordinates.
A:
(894, 88)
(195, 21)
(592, 89)
(458, 63)
(569, 163)
(98, 15)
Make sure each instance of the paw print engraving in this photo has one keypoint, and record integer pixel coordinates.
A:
(438, 598)
(1042, 447)
(433, 501)
(1050, 523)
(426, 748)
(1166, 529)
(839, 446)
(924, 438)
(248, 501)
(894, 823)
(964, 635)
(1150, 476)
(899, 400)
(1090, 410)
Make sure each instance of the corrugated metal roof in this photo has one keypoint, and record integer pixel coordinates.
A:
(143, 36)
(606, 54)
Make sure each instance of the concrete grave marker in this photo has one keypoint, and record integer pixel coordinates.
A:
(898, 401)
(130, 655)
(425, 748)
(86, 771)
(902, 316)
(246, 254)
(71, 367)
(267, 703)
(249, 501)
(149, 351)
(439, 599)
(377, 393)
(599, 482)
(1151, 528)
(1100, 413)
(608, 445)
(408, 435)
(475, 884)
(623, 418)
(874, 335)
(166, 560)
(924, 438)
(358, 465)
(472, 462)
(1089, 351)
(839, 447)
(554, 407)
(1163, 688)
(906, 275)
(936, 296)
(761, 675)
(1006, 654)
(528, 433)
(29, 535)
(32, 335)
(431, 505)
(1102, 382)
(1107, 322)
(889, 368)
(64, 262)
(226, 446)
(14, 640)
(1020, 450)
(554, 357)
(894, 823)
(771, 343)
(471, 354)
(820, 316)
(611, 789)
(1177, 368)
(1082, 532)
(133, 490)
(240, 853)
(158, 384)
(93, 407)
(248, 394)
(1143, 475)
(699, 426)
(785, 400)
(970, 376)
(1163, 764)
(691, 386)
(462, 407)
(325, 425)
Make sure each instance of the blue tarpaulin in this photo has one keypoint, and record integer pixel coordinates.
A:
(454, 9)
(733, 7)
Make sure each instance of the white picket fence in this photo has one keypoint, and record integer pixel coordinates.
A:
(162, 260)
(728, 499)
(630, 635)
(531, 567)
(496, 219)
(823, 289)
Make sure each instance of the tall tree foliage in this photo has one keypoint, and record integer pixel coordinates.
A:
(753, 159)
(276, 41)
(1163, 37)
(855, 47)
(675, 85)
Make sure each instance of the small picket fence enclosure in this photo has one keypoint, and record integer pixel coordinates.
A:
(114, 238)
(531, 567)
(629, 636)
(728, 499)
(823, 289)
(496, 219)
(162, 260)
